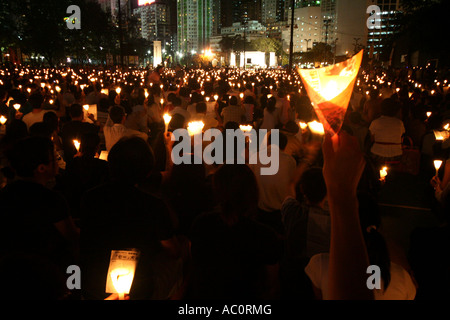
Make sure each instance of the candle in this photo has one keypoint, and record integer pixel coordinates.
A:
(3, 120)
(241, 95)
(51, 102)
(447, 126)
(161, 101)
(246, 129)
(58, 89)
(16, 106)
(216, 97)
(428, 114)
(122, 278)
(86, 107)
(118, 90)
(316, 127)
(195, 127)
(76, 143)
(207, 99)
(437, 165)
(167, 119)
(383, 173)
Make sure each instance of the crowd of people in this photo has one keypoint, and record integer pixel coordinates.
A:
(77, 183)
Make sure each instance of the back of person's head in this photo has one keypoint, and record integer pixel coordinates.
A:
(171, 96)
(312, 186)
(249, 100)
(271, 103)
(15, 130)
(374, 93)
(282, 140)
(36, 100)
(236, 190)
(29, 153)
(176, 101)
(130, 160)
(117, 114)
(370, 221)
(200, 107)
(89, 144)
(233, 101)
(76, 111)
(355, 117)
(41, 129)
(390, 107)
(177, 122)
(52, 120)
(291, 127)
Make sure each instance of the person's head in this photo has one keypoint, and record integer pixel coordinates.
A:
(249, 100)
(41, 129)
(89, 144)
(200, 107)
(370, 221)
(159, 69)
(36, 100)
(76, 111)
(117, 114)
(282, 140)
(131, 160)
(15, 130)
(374, 93)
(177, 122)
(271, 103)
(171, 96)
(312, 186)
(34, 158)
(355, 117)
(52, 120)
(390, 107)
(236, 191)
(233, 101)
(176, 102)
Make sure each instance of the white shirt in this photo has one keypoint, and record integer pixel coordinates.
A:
(115, 132)
(33, 117)
(273, 189)
(387, 130)
(401, 286)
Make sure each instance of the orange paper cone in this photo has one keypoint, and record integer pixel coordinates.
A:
(330, 90)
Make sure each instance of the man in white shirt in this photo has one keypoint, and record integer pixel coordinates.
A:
(115, 129)
(37, 114)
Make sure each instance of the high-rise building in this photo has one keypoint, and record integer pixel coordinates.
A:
(194, 25)
(155, 24)
(386, 24)
(272, 11)
(307, 29)
(344, 24)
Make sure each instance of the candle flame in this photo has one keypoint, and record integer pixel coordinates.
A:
(437, 164)
(316, 127)
(122, 278)
(195, 127)
(3, 120)
(16, 106)
(246, 129)
(76, 143)
(167, 118)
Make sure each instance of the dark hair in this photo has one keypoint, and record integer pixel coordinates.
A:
(200, 107)
(41, 129)
(51, 119)
(176, 101)
(76, 110)
(236, 190)
(312, 185)
(131, 160)
(36, 100)
(28, 153)
(390, 107)
(271, 103)
(233, 101)
(116, 113)
(369, 215)
(89, 144)
(282, 141)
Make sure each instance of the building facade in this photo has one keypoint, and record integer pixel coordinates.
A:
(194, 25)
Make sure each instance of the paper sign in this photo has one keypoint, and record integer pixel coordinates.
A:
(330, 90)
(122, 267)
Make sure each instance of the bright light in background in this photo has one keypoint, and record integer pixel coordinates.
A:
(144, 2)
